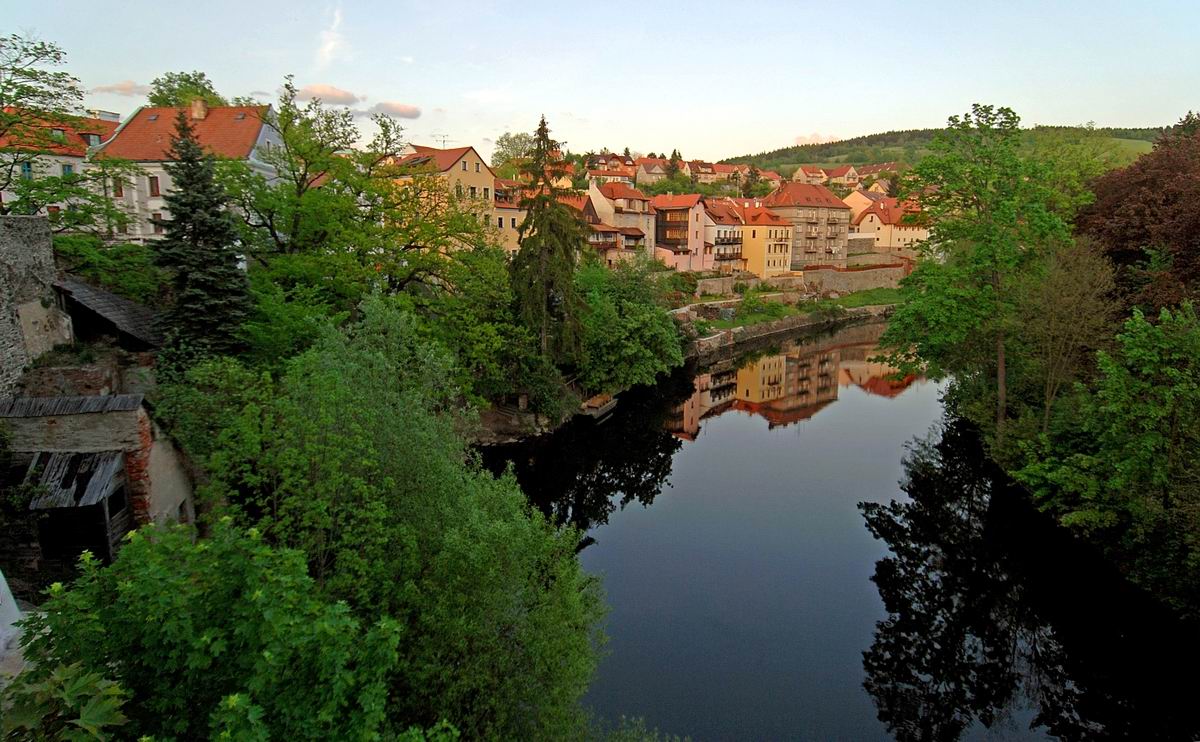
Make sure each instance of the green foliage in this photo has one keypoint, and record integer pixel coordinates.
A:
(284, 322)
(356, 461)
(225, 624)
(1127, 473)
(511, 147)
(124, 269)
(81, 199)
(181, 88)
(627, 338)
(551, 237)
(209, 293)
(65, 703)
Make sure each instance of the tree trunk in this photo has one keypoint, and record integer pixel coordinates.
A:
(1001, 390)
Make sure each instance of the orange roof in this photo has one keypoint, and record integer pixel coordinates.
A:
(722, 213)
(722, 168)
(608, 174)
(621, 190)
(660, 161)
(812, 170)
(839, 171)
(575, 200)
(889, 210)
(72, 143)
(881, 167)
(682, 201)
(753, 211)
(225, 131)
(770, 175)
(442, 159)
(792, 193)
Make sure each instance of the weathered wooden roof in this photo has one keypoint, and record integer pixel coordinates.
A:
(47, 406)
(69, 480)
(131, 318)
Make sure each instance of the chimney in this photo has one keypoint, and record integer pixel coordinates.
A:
(199, 109)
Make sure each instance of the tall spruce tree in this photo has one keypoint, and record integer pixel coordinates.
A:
(550, 239)
(210, 293)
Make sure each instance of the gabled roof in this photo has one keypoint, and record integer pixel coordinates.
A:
(813, 170)
(793, 193)
(225, 131)
(889, 211)
(71, 144)
(621, 190)
(839, 171)
(769, 175)
(682, 201)
(721, 212)
(441, 159)
(576, 201)
(753, 211)
(719, 167)
(702, 167)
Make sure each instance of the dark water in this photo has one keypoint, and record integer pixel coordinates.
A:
(753, 597)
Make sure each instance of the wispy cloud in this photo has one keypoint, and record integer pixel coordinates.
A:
(329, 94)
(125, 87)
(332, 42)
(392, 108)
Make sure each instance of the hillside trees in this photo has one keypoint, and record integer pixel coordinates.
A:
(991, 221)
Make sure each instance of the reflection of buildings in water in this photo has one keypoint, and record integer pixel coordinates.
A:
(791, 385)
(871, 376)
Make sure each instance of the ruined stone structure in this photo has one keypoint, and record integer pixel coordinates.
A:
(30, 321)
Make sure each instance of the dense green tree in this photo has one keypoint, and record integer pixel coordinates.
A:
(398, 521)
(64, 703)
(992, 217)
(510, 147)
(209, 295)
(627, 337)
(124, 268)
(543, 271)
(181, 88)
(79, 201)
(218, 633)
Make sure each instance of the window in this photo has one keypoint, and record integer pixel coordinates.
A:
(474, 192)
(477, 167)
(153, 185)
(486, 192)
(68, 169)
(464, 166)
(500, 222)
(513, 222)
(753, 233)
(156, 220)
(27, 170)
(118, 188)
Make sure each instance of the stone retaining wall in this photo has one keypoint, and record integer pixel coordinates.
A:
(849, 281)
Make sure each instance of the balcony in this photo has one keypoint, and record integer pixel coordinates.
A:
(728, 254)
(729, 240)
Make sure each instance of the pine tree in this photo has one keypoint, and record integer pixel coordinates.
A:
(210, 294)
(543, 270)
(673, 164)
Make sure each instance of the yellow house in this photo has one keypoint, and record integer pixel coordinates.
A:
(466, 173)
(762, 380)
(861, 200)
(897, 227)
(508, 213)
(766, 238)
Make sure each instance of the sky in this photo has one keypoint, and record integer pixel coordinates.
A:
(713, 79)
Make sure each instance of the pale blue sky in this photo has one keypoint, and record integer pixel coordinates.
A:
(714, 79)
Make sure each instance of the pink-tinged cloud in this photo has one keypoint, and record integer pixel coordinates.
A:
(815, 138)
(328, 94)
(127, 88)
(399, 110)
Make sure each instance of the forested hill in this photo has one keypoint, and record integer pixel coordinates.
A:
(909, 146)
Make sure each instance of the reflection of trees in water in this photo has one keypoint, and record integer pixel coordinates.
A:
(581, 472)
(991, 607)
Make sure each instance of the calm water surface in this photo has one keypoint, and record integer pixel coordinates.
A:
(723, 512)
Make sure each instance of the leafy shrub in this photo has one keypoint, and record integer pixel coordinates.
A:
(124, 269)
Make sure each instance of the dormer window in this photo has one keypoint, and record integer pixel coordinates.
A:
(152, 117)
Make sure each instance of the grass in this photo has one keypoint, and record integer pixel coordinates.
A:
(754, 311)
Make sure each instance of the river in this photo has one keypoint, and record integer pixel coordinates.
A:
(785, 559)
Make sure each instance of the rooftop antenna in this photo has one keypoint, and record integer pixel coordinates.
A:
(443, 137)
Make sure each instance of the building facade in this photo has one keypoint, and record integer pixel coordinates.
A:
(820, 221)
(679, 236)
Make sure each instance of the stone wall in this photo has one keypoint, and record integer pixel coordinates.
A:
(723, 285)
(849, 281)
(30, 322)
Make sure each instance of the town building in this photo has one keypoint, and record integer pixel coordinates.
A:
(508, 212)
(896, 226)
(820, 222)
(54, 149)
(810, 174)
(465, 172)
(229, 132)
(703, 172)
(626, 209)
(877, 169)
(650, 170)
(843, 175)
(723, 232)
(859, 199)
(766, 238)
(610, 176)
(679, 236)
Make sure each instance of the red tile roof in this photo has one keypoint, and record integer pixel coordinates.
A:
(660, 161)
(813, 170)
(225, 131)
(753, 211)
(889, 211)
(608, 174)
(724, 169)
(722, 213)
(682, 201)
(576, 201)
(839, 171)
(72, 143)
(442, 159)
(793, 193)
(770, 175)
(877, 168)
(621, 190)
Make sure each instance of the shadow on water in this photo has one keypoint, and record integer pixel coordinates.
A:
(585, 470)
(997, 617)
